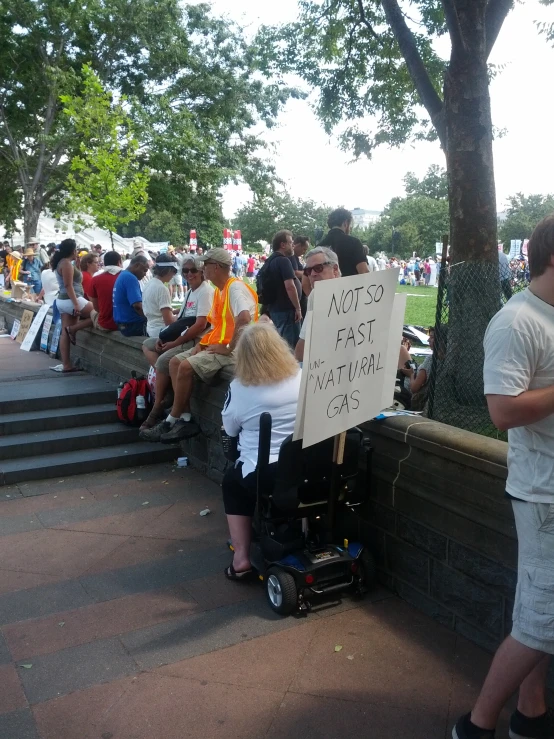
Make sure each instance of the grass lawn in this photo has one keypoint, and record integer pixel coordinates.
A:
(421, 305)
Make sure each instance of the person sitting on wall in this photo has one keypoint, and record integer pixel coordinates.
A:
(235, 304)
(156, 299)
(322, 263)
(127, 298)
(419, 379)
(102, 292)
(193, 316)
(267, 379)
(30, 271)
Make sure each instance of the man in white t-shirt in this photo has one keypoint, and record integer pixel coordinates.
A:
(235, 304)
(371, 262)
(519, 385)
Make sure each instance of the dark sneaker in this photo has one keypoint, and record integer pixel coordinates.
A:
(464, 729)
(180, 430)
(541, 727)
(156, 432)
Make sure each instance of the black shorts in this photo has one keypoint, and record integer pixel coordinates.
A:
(239, 493)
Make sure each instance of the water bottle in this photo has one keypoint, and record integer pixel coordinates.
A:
(119, 389)
(141, 407)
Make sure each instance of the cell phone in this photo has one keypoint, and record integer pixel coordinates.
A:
(408, 365)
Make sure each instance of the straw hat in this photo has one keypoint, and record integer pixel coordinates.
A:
(16, 255)
(28, 252)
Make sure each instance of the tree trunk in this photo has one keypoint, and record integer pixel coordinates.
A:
(31, 213)
(473, 286)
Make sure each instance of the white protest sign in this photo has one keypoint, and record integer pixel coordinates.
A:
(301, 408)
(15, 328)
(55, 339)
(45, 333)
(347, 367)
(34, 328)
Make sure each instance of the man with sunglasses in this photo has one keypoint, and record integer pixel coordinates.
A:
(321, 264)
(234, 305)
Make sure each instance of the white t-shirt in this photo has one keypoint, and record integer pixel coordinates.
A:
(243, 408)
(519, 356)
(372, 264)
(49, 285)
(240, 298)
(198, 302)
(304, 326)
(155, 296)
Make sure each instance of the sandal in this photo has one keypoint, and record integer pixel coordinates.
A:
(231, 574)
(71, 337)
(152, 420)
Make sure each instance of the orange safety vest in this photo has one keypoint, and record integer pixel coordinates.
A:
(13, 265)
(221, 316)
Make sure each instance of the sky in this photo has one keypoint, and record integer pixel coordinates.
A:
(314, 167)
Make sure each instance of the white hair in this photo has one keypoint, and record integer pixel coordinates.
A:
(329, 254)
(196, 262)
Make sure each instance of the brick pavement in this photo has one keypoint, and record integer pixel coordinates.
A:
(116, 623)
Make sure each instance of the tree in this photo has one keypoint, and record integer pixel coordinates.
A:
(523, 214)
(260, 220)
(105, 180)
(189, 78)
(374, 68)
(433, 185)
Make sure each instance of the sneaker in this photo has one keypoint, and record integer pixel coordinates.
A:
(156, 432)
(180, 430)
(541, 727)
(464, 729)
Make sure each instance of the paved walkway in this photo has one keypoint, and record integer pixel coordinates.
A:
(117, 623)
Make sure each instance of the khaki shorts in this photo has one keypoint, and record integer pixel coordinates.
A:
(207, 365)
(533, 617)
(162, 365)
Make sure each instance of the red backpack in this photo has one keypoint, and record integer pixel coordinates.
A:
(134, 400)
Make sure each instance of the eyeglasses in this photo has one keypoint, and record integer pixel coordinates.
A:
(192, 270)
(317, 268)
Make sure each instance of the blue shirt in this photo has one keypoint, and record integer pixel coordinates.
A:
(126, 292)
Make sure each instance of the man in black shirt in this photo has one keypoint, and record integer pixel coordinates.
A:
(301, 244)
(284, 308)
(348, 249)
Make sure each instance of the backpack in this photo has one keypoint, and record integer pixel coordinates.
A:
(134, 400)
(266, 283)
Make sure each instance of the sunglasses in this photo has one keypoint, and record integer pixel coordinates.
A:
(317, 268)
(192, 270)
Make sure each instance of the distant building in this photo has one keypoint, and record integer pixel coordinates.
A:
(363, 218)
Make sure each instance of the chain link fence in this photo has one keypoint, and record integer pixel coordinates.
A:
(469, 294)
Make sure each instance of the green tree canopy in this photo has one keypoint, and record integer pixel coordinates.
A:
(434, 184)
(104, 180)
(523, 214)
(190, 79)
(260, 220)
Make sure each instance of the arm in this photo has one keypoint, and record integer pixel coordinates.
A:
(228, 418)
(137, 307)
(191, 333)
(362, 267)
(167, 315)
(242, 320)
(531, 406)
(94, 301)
(306, 286)
(299, 350)
(419, 381)
(290, 287)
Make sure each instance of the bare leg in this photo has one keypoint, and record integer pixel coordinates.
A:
(163, 383)
(67, 321)
(182, 377)
(512, 664)
(532, 693)
(85, 321)
(151, 356)
(240, 528)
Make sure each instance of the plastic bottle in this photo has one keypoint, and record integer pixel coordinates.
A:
(141, 407)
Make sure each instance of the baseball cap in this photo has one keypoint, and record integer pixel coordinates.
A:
(219, 255)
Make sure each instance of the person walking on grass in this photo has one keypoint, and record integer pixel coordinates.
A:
(519, 386)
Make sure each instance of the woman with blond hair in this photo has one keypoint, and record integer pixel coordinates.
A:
(267, 379)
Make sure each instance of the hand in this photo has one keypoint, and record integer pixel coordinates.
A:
(159, 346)
(219, 349)
(76, 309)
(298, 315)
(197, 349)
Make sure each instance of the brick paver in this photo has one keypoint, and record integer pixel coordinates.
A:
(116, 623)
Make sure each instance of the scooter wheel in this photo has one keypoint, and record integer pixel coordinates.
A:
(281, 592)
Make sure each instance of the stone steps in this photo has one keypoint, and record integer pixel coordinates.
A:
(57, 418)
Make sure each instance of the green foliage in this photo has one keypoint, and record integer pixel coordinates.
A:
(105, 179)
(420, 218)
(260, 220)
(523, 214)
(354, 63)
(192, 89)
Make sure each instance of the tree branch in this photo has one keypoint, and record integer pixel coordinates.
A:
(453, 24)
(495, 15)
(420, 77)
(365, 21)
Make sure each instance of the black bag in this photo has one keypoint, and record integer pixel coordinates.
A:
(266, 281)
(175, 329)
